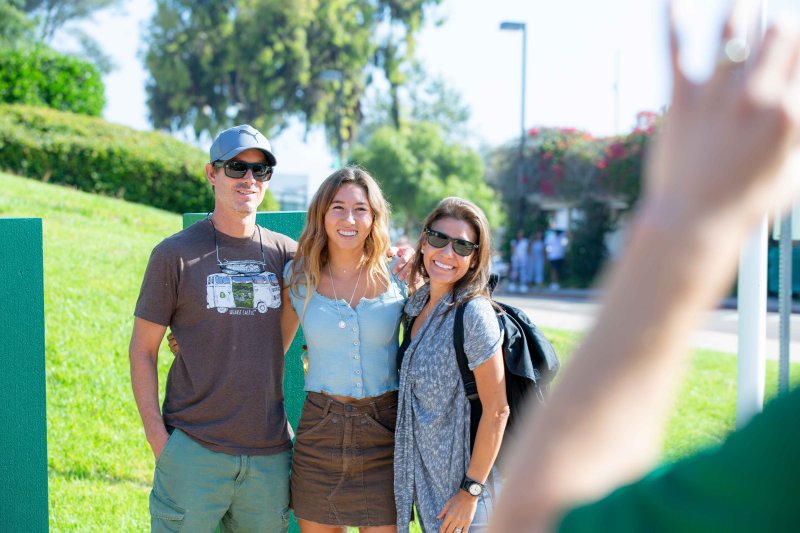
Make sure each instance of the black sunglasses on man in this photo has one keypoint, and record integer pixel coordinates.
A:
(237, 169)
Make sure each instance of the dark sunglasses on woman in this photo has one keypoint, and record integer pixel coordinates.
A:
(237, 169)
(437, 239)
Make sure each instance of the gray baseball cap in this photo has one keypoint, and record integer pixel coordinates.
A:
(236, 140)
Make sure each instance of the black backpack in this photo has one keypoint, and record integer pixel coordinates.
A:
(530, 364)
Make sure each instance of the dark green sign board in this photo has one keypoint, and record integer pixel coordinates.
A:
(23, 426)
(289, 223)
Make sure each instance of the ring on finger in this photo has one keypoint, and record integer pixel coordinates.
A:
(457, 530)
(734, 51)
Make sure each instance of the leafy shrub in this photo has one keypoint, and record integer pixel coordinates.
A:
(44, 77)
(620, 170)
(96, 156)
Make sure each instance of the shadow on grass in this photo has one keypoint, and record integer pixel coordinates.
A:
(89, 475)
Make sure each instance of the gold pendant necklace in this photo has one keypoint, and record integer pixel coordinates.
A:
(342, 323)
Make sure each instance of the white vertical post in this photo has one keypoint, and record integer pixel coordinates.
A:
(752, 304)
(785, 300)
(616, 91)
(787, 232)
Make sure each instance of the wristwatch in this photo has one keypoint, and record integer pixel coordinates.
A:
(472, 487)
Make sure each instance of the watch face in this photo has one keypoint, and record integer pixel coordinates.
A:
(475, 489)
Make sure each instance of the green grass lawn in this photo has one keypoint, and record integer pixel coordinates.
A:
(95, 252)
(100, 466)
(705, 411)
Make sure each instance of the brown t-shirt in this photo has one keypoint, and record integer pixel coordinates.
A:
(225, 388)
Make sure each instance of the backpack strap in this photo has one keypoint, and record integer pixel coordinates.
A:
(494, 280)
(470, 388)
(407, 322)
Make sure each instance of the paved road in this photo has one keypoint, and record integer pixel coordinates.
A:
(718, 333)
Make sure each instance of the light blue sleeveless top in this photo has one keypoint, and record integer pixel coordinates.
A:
(360, 360)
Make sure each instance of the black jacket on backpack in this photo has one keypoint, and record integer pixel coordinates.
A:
(530, 364)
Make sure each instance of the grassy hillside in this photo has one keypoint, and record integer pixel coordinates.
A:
(95, 251)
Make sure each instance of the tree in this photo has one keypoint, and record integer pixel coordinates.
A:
(255, 61)
(403, 19)
(50, 16)
(424, 98)
(437, 102)
(425, 158)
(14, 25)
(219, 62)
(417, 167)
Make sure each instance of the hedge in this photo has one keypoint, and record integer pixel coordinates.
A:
(96, 156)
(41, 76)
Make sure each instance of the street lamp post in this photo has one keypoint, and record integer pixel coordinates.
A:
(514, 26)
(337, 75)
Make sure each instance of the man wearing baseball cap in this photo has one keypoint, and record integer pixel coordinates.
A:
(221, 441)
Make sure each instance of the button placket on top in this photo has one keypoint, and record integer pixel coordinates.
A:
(334, 357)
(356, 364)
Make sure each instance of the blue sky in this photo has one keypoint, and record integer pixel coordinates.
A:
(576, 51)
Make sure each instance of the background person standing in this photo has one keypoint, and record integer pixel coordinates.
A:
(536, 260)
(555, 243)
(520, 269)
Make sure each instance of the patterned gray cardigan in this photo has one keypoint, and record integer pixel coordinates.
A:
(432, 436)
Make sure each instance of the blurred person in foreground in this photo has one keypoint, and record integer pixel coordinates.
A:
(727, 155)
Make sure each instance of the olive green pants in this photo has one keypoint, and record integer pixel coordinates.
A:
(195, 489)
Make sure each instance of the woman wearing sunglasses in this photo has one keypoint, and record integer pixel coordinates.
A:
(349, 304)
(452, 487)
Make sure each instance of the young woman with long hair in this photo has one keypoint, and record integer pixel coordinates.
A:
(349, 304)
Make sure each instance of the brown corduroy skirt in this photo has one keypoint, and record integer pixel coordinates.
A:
(342, 467)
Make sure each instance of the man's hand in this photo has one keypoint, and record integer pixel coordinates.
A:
(145, 341)
(158, 441)
(404, 259)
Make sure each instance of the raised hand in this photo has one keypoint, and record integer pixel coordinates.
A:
(728, 144)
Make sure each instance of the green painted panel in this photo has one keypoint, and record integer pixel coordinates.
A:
(289, 223)
(23, 426)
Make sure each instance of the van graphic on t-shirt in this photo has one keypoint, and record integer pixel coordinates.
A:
(259, 291)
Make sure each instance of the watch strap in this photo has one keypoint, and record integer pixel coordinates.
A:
(467, 483)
